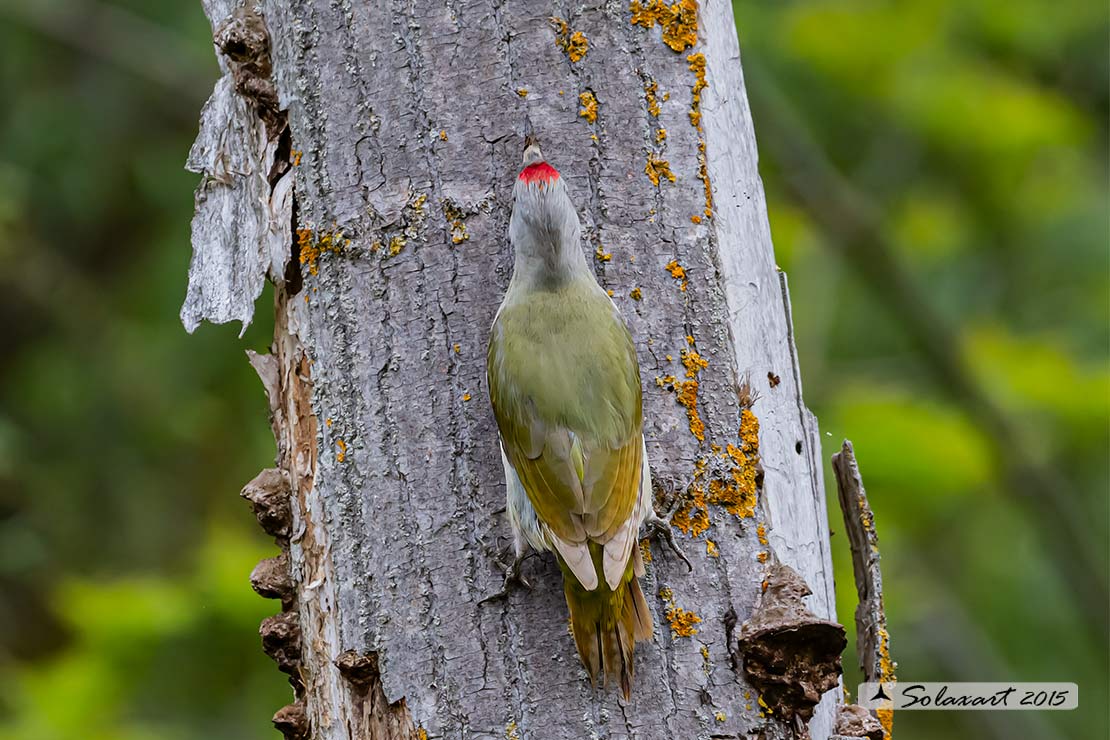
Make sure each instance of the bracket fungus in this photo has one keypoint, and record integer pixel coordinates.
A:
(790, 655)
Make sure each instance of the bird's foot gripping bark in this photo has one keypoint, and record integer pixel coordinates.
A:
(513, 579)
(660, 528)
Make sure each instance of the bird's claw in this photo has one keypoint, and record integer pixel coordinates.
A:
(661, 529)
(512, 577)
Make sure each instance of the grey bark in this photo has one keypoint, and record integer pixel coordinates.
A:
(406, 122)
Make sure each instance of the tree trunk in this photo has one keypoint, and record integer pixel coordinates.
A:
(361, 156)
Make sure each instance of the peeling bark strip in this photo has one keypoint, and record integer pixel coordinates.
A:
(242, 225)
(872, 638)
(405, 127)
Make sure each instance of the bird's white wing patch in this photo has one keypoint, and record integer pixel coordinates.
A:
(577, 557)
(617, 550)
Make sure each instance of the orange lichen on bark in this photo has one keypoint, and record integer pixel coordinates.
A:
(636, 294)
(342, 454)
(658, 168)
(311, 249)
(738, 493)
(679, 20)
(645, 550)
(693, 362)
(697, 65)
(692, 517)
(454, 217)
(886, 672)
(651, 95)
(711, 549)
(602, 255)
(660, 135)
(574, 45)
(522, 92)
(682, 621)
(678, 272)
(589, 106)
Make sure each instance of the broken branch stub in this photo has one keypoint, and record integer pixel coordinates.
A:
(269, 494)
(872, 638)
(270, 579)
(790, 655)
(292, 721)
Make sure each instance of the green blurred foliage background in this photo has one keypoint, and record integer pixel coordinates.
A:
(937, 181)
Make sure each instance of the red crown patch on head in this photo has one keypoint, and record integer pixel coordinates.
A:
(540, 172)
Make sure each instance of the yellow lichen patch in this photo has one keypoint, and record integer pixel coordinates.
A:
(466, 396)
(658, 168)
(711, 549)
(396, 244)
(522, 92)
(661, 135)
(764, 710)
(645, 550)
(738, 493)
(762, 556)
(679, 20)
(327, 422)
(457, 349)
(295, 157)
(678, 272)
(886, 673)
(574, 45)
(342, 454)
(761, 533)
(609, 292)
(696, 64)
(454, 216)
(687, 390)
(682, 621)
(589, 106)
(442, 135)
(703, 175)
(510, 731)
(688, 398)
(696, 219)
(311, 249)
(636, 295)
(720, 716)
(692, 517)
(421, 734)
(651, 95)
(693, 362)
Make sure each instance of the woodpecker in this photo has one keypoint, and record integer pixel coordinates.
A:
(564, 384)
